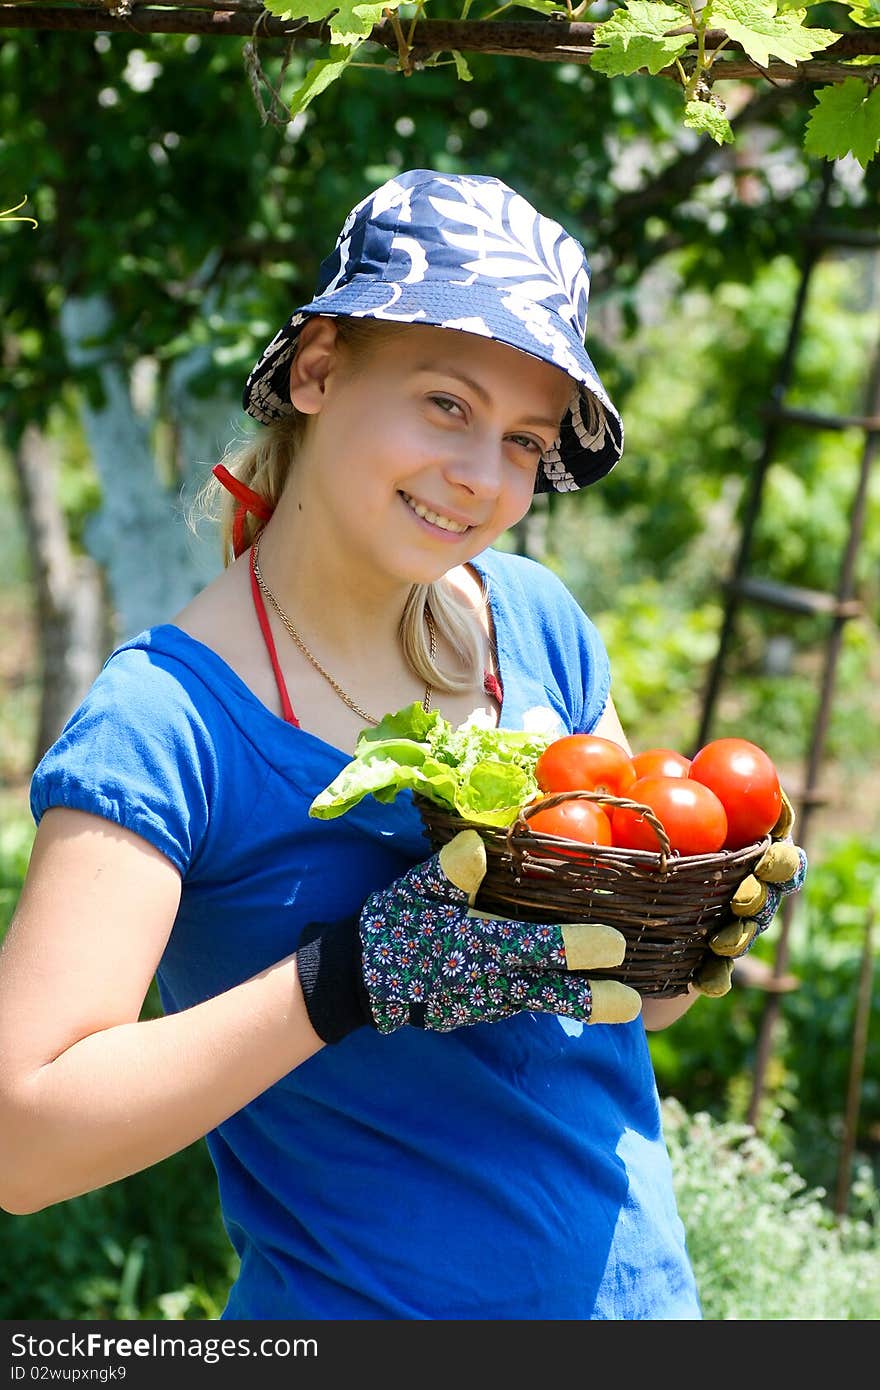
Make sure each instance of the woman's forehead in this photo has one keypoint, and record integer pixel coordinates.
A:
(483, 363)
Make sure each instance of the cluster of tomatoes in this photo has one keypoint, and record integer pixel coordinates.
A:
(726, 796)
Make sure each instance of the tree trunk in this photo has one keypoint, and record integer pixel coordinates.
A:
(153, 563)
(73, 627)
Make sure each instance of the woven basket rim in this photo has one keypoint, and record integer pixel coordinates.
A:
(521, 838)
(664, 905)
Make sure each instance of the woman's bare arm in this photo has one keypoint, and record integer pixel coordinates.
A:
(660, 1013)
(88, 1094)
(608, 725)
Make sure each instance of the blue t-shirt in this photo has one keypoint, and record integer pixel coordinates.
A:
(513, 1170)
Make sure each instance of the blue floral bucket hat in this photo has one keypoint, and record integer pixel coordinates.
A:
(465, 252)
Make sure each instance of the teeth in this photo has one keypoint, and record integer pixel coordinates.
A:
(444, 522)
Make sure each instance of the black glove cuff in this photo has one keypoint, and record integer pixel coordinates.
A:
(328, 961)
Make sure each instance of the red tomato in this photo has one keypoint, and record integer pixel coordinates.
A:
(746, 782)
(660, 762)
(577, 819)
(691, 814)
(585, 763)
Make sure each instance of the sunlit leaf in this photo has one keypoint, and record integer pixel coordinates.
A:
(762, 32)
(708, 120)
(867, 15)
(353, 22)
(637, 38)
(320, 75)
(845, 120)
(310, 10)
(349, 21)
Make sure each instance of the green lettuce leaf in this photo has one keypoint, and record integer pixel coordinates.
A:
(482, 774)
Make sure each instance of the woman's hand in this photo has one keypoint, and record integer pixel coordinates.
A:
(421, 955)
(781, 870)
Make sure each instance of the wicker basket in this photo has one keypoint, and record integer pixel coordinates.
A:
(664, 904)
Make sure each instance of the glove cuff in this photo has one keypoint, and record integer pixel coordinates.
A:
(328, 961)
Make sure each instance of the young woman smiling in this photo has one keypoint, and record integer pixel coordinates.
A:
(485, 1144)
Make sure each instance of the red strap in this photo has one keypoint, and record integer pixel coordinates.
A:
(492, 686)
(263, 619)
(250, 501)
(246, 501)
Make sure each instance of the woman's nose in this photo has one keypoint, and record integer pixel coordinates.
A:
(478, 467)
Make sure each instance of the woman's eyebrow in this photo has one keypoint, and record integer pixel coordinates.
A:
(448, 369)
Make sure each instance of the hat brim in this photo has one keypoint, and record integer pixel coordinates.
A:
(591, 434)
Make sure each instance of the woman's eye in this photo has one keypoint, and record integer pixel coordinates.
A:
(525, 441)
(450, 406)
(446, 404)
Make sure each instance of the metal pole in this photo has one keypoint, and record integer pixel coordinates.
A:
(753, 506)
(856, 1069)
(844, 593)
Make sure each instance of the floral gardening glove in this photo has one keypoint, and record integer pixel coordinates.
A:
(420, 955)
(781, 870)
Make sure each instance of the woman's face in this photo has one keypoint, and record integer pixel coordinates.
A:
(423, 447)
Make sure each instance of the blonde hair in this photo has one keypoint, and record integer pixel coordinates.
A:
(263, 463)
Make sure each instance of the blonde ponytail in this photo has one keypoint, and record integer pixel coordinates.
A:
(262, 464)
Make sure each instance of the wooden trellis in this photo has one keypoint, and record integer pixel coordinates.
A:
(837, 608)
(556, 39)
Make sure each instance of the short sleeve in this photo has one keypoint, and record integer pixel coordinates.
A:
(581, 662)
(135, 752)
(551, 652)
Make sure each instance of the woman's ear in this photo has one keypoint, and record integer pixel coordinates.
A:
(312, 363)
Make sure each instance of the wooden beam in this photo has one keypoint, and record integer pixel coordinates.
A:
(551, 40)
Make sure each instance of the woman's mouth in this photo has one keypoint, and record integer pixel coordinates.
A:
(445, 523)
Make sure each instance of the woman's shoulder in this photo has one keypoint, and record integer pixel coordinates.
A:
(510, 562)
(160, 656)
(542, 630)
(160, 685)
(523, 582)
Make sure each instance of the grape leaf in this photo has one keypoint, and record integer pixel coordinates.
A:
(845, 120)
(708, 120)
(320, 75)
(636, 38)
(310, 10)
(761, 31)
(461, 67)
(867, 14)
(542, 6)
(351, 22)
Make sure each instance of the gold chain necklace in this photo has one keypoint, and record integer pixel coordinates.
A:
(362, 714)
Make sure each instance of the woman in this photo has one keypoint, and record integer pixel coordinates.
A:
(495, 1153)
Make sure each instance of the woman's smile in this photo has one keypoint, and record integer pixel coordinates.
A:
(450, 427)
(437, 521)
